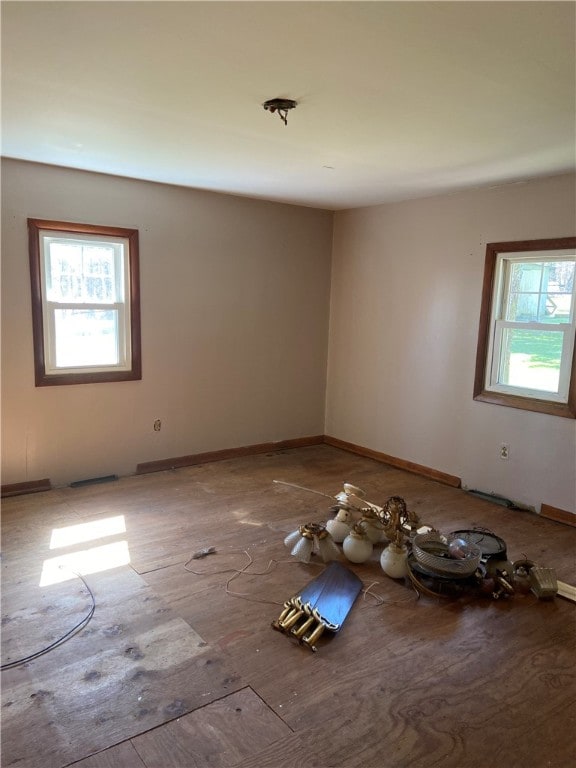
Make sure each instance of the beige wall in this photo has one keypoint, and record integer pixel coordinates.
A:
(235, 305)
(406, 289)
(235, 296)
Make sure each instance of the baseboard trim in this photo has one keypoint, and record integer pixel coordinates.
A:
(32, 486)
(559, 515)
(384, 458)
(228, 453)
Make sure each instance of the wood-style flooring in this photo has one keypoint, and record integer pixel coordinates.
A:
(176, 670)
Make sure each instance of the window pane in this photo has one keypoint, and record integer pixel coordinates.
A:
(531, 359)
(82, 273)
(558, 308)
(64, 272)
(523, 307)
(98, 274)
(540, 292)
(86, 337)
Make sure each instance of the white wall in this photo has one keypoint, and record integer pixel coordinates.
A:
(406, 291)
(235, 297)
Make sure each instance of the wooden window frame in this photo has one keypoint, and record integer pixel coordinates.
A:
(44, 378)
(566, 410)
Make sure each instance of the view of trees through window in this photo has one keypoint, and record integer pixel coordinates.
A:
(540, 292)
(84, 274)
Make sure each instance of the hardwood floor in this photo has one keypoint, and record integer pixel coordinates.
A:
(173, 671)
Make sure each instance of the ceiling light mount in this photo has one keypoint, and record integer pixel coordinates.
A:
(281, 106)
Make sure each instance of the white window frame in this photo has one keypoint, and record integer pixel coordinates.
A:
(126, 302)
(488, 386)
(498, 326)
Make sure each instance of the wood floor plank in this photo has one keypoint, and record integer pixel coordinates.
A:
(121, 756)
(136, 665)
(421, 727)
(409, 682)
(219, 735)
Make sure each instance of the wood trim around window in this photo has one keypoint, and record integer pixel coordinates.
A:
(42, 379)
(566, 410)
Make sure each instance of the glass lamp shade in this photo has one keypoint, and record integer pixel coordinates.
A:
(394, 561)
(338, 529)
(292, 538)
(327, 548)
(373, 528)
(303, 549)
(309, 539)
(357, 547)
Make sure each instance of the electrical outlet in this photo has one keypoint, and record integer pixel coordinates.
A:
(157, 425)
(504, 451)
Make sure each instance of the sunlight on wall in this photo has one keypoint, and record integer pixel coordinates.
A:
(93, 560)
(97, 529)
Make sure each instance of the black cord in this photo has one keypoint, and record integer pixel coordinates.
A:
(75, 629)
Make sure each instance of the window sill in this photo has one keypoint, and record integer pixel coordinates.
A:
(59, 379)
(565, 410)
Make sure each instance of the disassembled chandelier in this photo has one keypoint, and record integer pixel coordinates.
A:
(281, 106)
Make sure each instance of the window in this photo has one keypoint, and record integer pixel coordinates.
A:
(85, 303)
(526, 355)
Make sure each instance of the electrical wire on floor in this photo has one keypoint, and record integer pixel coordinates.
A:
(67, 636)
(379, 600)
(236, 572)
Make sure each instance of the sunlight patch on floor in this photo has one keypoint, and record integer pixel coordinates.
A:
(94, 560)
(78, 534)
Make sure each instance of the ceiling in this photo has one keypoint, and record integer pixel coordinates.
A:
(396, 100)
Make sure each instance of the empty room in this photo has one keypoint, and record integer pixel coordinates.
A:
(288, 384)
